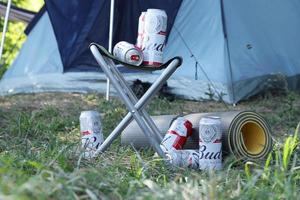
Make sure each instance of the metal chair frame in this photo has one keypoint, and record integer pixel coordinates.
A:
(134, 105)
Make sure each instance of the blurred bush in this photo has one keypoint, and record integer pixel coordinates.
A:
(15, 33)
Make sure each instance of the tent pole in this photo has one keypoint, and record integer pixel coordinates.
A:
(228, 52)
(5, 27)
(110, 40)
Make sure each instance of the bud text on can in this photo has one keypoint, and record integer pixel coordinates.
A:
(154, 36)
(210, 143)
(91, 132)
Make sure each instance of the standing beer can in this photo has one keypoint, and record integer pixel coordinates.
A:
(141, 30)
(128, 53)
(91, 132)
(210, 143)
(177, 134)
(154, 36)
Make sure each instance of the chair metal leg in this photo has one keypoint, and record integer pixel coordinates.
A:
(134, 99)
(134, 105)
(140, 104)
(129, 104)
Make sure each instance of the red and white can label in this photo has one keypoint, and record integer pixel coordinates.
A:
(154, 36)
(141, 30)
(128, 53)
(91, 132)
(184, 158)
(210, 143)
(177, 134)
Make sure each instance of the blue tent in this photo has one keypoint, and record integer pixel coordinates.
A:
(230, 49)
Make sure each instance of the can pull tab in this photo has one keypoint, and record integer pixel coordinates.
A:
(135, 57)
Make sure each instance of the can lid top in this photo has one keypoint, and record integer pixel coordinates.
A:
(213, 117)
(90, 112)
(155, 10)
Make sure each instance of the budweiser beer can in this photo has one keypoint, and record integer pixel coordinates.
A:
(141, 29)
(91, 132)
(128, 53)
(177, 134)
(154, 36)
(210, 143)
(184, 158)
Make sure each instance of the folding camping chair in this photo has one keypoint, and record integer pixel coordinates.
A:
(134, 106)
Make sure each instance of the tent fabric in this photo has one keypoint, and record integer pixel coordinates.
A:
(262, 38)
(231, 50)
(35, 20)
(84, 23)
(39, 50)
(205, 42)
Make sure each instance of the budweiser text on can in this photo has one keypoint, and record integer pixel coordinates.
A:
(184, 158)
(210, 143)
(177, 134)
(141, 28)
(91, 132)
(154, 36)
(128, 53)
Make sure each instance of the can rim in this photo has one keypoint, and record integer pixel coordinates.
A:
(211, 117)
(90, 111)
(156, 10)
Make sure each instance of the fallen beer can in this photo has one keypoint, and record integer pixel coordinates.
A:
(177, 134)
(184, 158)
(128, 53)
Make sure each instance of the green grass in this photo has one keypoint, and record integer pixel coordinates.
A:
(40, 154)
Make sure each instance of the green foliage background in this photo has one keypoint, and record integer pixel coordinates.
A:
(15, 33)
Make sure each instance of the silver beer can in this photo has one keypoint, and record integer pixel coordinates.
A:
(154, 37)
(210, 143)
(184, 158)
(128, 53)
(91, 132)
(177, 134)
(141, 30)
